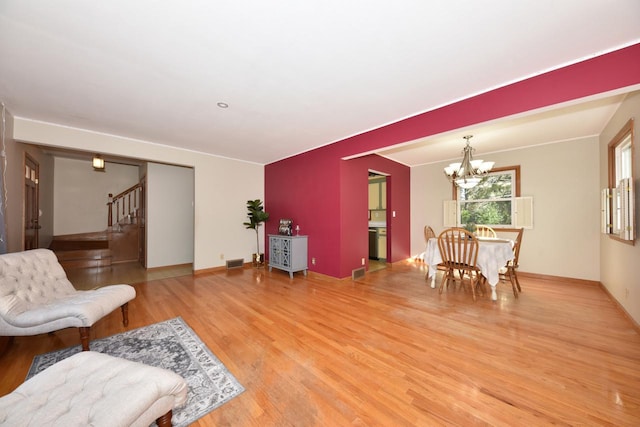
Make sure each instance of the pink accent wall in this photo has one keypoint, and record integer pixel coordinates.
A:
(328, 196)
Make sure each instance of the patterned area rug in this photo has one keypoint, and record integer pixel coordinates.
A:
(171, 345)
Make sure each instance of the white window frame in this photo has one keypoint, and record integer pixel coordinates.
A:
(618, 200)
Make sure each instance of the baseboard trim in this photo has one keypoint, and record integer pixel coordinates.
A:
(621, 308)
(221, 269)
(168, 267)
(559, 278)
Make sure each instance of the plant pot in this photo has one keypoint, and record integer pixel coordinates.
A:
(258, 260)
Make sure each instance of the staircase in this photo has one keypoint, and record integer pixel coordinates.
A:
(121, 242)
(100, 249)
(82, 250)
(84, 258)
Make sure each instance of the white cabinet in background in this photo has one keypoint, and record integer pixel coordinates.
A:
(377, 194)
(382, 243)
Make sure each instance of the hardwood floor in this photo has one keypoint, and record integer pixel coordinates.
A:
(127, 272)
(388, 350)
(375, 265)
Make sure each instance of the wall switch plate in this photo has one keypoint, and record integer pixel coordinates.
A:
(363, 261)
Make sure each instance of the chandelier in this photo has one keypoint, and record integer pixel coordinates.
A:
(469, 172)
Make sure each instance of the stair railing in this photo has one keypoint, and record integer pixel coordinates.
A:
(126, 206)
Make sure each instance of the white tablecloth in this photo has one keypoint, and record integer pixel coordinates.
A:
(493, 254)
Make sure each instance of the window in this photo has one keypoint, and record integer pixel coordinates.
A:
(490, 201)
(618, 207)
(495, 201)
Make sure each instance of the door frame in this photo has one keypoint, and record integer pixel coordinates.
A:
(30, 202)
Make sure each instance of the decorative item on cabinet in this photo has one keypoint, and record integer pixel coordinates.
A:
(285, 227)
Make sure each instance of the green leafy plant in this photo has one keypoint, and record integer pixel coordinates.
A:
(256, 215)
(470, 227)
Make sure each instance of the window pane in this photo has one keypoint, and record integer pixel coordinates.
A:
(495, 186)
(486, 212)
(625, 161)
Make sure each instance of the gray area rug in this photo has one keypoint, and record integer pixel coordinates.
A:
(171, 345)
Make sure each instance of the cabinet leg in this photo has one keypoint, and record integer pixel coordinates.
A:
(291, 274)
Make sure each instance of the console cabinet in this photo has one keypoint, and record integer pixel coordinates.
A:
(288, 253)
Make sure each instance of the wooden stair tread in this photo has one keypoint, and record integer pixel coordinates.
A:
(83, 254)
(85, 263)
(68, 245)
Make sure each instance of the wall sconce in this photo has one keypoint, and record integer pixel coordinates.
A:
(98, 163)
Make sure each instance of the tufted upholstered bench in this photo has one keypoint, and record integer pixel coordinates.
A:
(36, 297)
(95, 389)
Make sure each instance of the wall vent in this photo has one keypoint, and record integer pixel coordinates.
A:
(235, 263)
(358, 273)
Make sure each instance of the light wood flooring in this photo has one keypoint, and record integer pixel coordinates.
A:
(127, 272)
(375, 265)
(387, 350)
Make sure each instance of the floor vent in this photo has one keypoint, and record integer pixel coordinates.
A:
(235, 263)
(358, 273)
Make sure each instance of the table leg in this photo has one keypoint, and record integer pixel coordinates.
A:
(494, 295)
(433, 280)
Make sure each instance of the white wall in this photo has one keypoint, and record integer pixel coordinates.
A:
(169, 224)
(80, 194)
(563, 182)
(222, 186)
(619, 261)
(13, 173)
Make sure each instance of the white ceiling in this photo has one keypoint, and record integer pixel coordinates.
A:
(298, 74)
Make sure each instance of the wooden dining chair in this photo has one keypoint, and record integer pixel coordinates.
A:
(485, 231)
(509, 270)
(459, 252)
(428, 234)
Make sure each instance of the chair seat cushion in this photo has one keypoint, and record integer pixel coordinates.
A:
(77, 309)
(94, 389)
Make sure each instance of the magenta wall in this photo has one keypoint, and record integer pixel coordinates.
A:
(327, 196)
(306, 188)
(355, 205)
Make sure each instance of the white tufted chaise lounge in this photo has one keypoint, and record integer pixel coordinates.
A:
(95, 389)
(36, 297)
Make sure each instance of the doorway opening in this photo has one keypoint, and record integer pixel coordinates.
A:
(31, 207)
(378, 245)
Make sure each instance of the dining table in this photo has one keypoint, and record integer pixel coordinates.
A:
(493, 254)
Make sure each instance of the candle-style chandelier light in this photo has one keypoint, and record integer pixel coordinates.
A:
(469, 172)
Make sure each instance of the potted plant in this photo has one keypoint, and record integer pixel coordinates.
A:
(257, 215)
(470, 227)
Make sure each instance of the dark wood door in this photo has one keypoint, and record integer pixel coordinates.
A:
(31, 207)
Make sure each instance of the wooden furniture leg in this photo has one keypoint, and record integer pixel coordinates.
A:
(125, 313)
(165, 420)
(85, 332)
